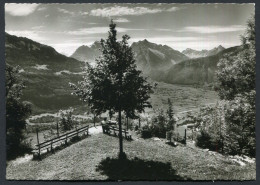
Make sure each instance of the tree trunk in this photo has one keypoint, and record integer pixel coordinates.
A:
(139, 120)
(94, 120)
(120, 134)
(127, 123)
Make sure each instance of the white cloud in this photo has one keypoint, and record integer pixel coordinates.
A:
(21, 9)
(85, 31)
(121, 20)
(46, 15)
(37, 27)
(99, 30)
(65, 11)
(83, 13)
(172, 9)
(123, 10)
(41, 8)
(213, 29)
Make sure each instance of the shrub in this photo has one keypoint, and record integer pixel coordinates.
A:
(67, 121)
(157, 128)
(146, 132)
(16, 113)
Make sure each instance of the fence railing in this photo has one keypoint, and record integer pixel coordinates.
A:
(57, 141)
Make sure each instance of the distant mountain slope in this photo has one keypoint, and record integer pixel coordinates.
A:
(198, 70)
(45, 72)
(152, 59)
(86, 53)
(191, 53)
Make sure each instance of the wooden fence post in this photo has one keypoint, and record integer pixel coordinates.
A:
(66, 140)
(125, 133)
(51, 147)
(38, 142)
(58, 129)
(185, 136)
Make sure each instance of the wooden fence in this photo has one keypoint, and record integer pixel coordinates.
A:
(50, 144)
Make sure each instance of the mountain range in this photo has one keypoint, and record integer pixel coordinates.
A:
(191, 53)
(151, 58)
(47, 73)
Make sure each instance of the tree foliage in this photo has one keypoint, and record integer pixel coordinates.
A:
(170, 114)
(66, 119)
(236, 78)
(16, 113)
(114, 83)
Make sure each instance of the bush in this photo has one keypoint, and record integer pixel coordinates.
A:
(204, 140)
(146, 132)
(157, 128)
(67, 121)
(18, 149)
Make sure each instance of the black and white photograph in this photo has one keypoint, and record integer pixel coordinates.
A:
(130, 91)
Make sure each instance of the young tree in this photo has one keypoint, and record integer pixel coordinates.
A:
(16, 113)
(171, 121)
(115, 83)
(236, 76)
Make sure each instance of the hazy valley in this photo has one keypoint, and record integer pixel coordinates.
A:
(47, 73)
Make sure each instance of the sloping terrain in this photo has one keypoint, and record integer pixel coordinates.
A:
(87, 53)
(147, 160)
(46, 73)
(198, 70)
(152, 59)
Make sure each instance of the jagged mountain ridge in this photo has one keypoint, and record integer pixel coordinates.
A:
(191, 53)
(151, 58)
(87, 53)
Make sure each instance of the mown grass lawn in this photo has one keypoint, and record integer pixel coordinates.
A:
(95, 158)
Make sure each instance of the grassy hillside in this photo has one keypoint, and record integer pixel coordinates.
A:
(183, 97)
(46, 73)
(197, 70)
(147, 160)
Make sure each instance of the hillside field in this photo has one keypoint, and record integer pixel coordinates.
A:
(94, 158)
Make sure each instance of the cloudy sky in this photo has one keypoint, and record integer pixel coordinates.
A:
(68, 26)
